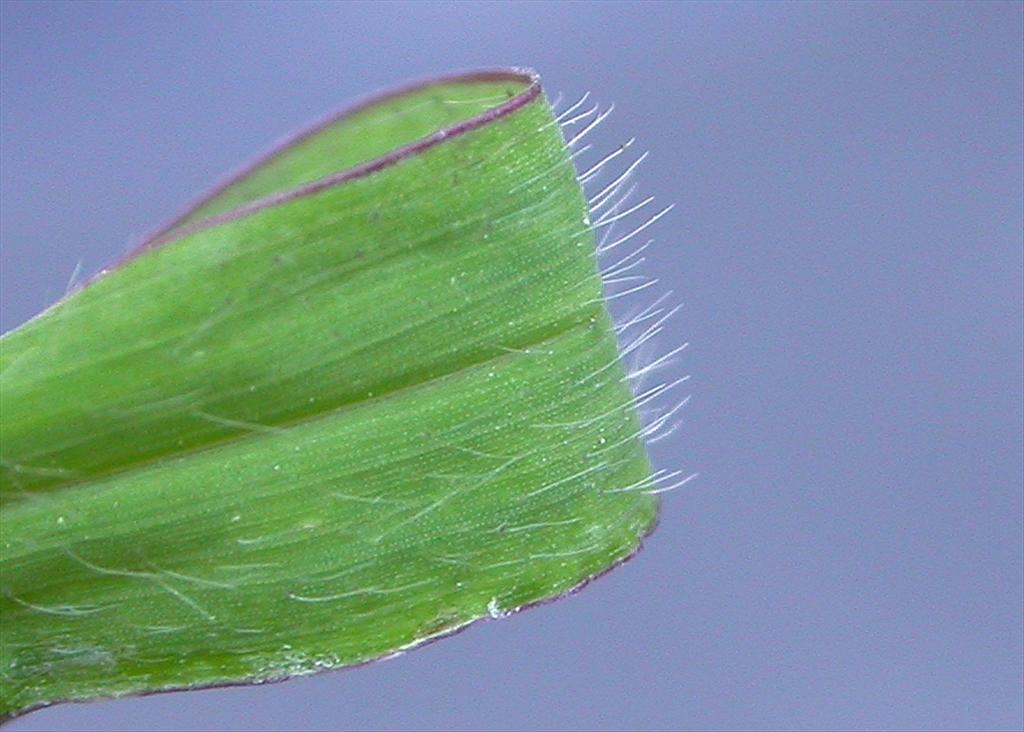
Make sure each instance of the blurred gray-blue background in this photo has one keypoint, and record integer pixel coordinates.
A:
(847, 243)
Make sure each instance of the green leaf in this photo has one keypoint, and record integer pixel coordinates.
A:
(320, 420)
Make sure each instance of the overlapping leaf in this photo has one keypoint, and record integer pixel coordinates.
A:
(322, 417)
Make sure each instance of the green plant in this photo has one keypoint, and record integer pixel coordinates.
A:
(321, 417)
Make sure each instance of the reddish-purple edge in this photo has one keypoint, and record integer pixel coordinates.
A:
(173, 230)
(160, 237)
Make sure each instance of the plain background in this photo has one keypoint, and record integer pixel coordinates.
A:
(847, 243)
